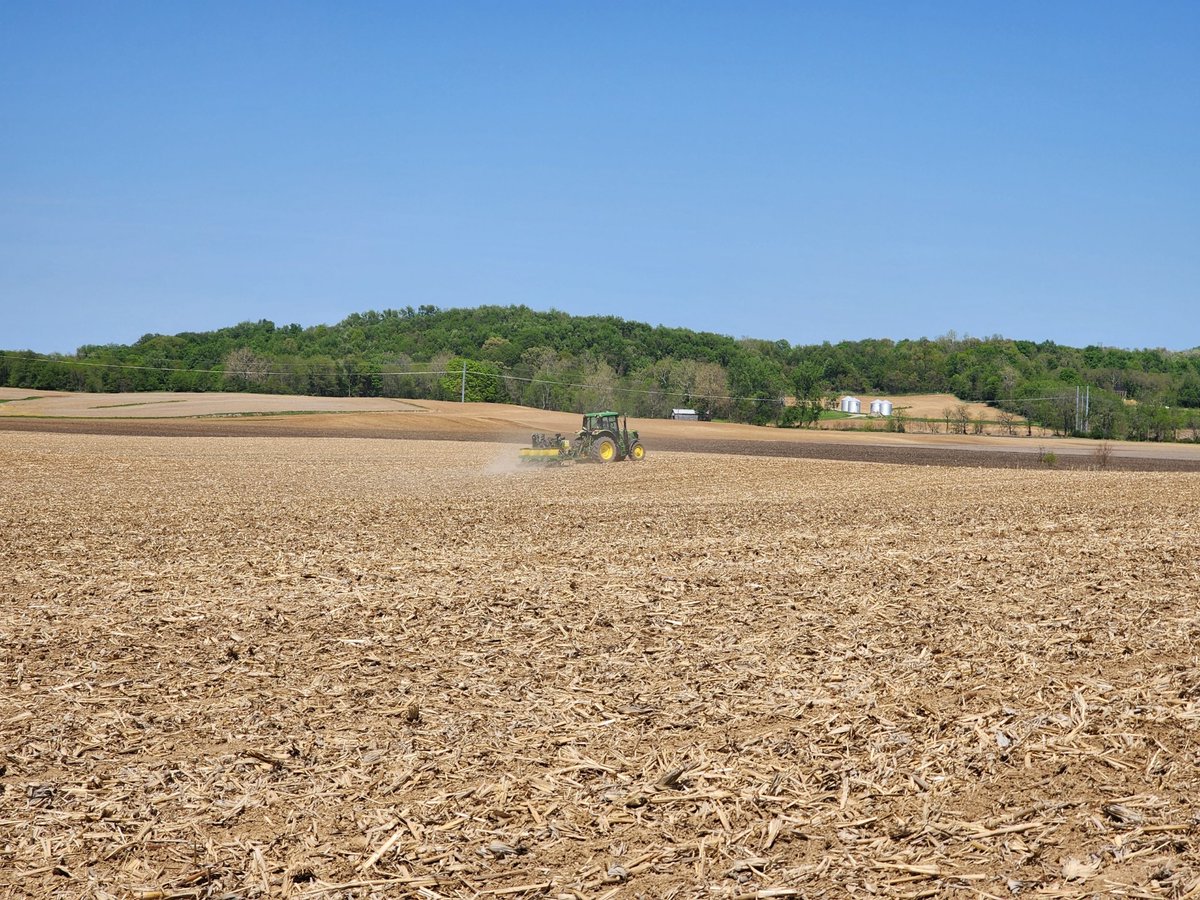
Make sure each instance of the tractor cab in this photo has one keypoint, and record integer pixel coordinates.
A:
(602, 421)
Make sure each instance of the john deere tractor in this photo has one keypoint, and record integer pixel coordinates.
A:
(603, 438)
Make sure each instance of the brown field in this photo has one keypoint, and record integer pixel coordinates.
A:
(261, 666)
(161, 404)
(258, 415)
(179, 405)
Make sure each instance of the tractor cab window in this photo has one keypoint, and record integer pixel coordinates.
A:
(596, 422)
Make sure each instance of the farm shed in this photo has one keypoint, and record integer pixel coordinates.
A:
(689, 415)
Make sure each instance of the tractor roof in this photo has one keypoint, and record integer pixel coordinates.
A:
(607, 412)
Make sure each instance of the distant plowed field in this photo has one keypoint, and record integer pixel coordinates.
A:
(265, 667)
(259, 415)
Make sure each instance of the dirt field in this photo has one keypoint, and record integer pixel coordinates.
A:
(259, 415)
(266, 667)
(159, 404)
(178, 405)
(166, 404)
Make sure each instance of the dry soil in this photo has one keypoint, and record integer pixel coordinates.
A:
(285, 667)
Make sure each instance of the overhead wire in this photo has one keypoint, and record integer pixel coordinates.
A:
(439, 372)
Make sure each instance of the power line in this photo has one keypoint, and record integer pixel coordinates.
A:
(98, 365)
(601, 387)
(372, 374)
(424, 372)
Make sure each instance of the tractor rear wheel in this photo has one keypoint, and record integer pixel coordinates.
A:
(604, 450)
(636, 451)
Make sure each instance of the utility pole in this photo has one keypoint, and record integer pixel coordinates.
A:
(462, 397)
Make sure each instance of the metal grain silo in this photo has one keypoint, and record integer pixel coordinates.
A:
(885, 407)
(851, 405)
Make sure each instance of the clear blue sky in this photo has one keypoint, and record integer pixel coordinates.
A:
(807, 171)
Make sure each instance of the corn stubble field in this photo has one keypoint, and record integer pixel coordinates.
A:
(351, 668)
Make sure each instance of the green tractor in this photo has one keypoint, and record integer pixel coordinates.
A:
(603, 438)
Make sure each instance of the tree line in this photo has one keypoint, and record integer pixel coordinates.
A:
(553, 360)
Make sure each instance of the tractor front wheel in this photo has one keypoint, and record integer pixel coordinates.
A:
(604, 450)
(636, 451)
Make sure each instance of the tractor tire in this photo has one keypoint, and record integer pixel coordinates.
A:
(604, 449)
(636, 452)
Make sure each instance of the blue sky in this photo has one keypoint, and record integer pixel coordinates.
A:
(806, 171)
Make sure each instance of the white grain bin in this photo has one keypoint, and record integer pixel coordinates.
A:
(875, 407)
(885, 407)
(851, 405)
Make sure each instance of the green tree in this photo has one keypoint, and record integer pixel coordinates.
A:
(478, 382)
(758, 384)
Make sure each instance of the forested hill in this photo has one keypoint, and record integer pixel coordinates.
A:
(555, 360)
